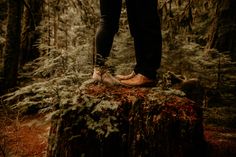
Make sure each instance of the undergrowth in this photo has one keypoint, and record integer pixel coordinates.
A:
(53, 80)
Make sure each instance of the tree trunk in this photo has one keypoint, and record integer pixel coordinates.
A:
(48, 24)
(3, 13)
(55, 28)
(12, 49)
(30, 34)
(127, 122)
(223, 30)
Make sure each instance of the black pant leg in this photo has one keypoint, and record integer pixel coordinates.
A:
(109, 24)
(145, 28)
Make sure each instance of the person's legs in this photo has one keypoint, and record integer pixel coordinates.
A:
(109, 23)
(145, 28)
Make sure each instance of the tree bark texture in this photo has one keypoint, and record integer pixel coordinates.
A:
(12, 49)
(223, 30)
(127, 122)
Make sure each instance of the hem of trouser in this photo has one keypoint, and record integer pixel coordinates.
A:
(149, 74)
(100, 61)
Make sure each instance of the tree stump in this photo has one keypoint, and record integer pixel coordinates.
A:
(116, 121)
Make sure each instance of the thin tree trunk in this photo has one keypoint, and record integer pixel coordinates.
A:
(3, 13)
(48, 25)
(30, 35)
(12, 49)
(56, 18)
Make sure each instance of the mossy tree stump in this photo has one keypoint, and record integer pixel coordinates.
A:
(127, 122)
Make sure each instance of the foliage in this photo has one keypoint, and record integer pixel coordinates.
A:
(67, 47)
(185, 47)
(129, 119)
(183, 16)
(64, 64)
(52, 82)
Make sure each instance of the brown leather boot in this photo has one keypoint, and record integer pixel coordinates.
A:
(138, 80)
(104, 76)
(126, 77)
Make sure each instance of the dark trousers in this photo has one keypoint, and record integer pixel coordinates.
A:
(144, 24)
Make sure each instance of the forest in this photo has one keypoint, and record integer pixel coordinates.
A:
(50, 107)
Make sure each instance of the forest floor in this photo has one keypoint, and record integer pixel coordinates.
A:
(28, 136)
(23, 136)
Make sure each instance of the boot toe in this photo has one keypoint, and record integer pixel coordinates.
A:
(138, 80)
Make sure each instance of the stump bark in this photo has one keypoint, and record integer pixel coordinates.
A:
(127, 122)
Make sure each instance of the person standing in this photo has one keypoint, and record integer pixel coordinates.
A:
(145, 28)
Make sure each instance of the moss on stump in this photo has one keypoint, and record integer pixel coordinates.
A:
(127, 122)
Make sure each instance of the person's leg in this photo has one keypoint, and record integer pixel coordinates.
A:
(109, 23)
(108, 27)
(145, 28)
